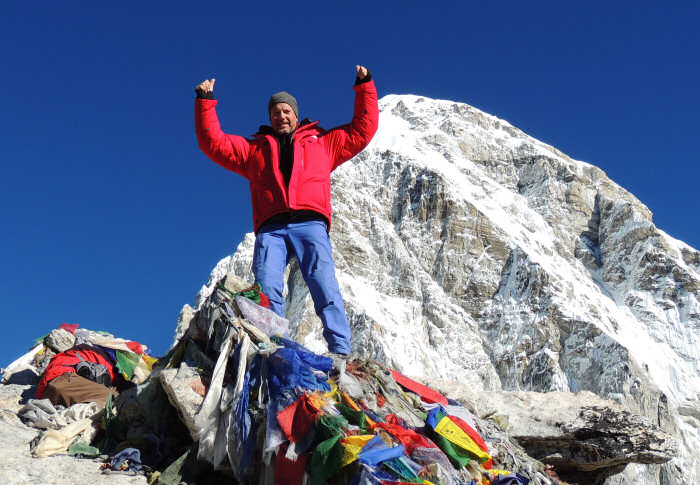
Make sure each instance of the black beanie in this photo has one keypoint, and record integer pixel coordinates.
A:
(283, 97)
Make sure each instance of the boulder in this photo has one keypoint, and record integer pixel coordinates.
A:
(185, 391)
(584, 437)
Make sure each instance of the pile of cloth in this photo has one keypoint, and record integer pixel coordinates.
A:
(276, 413)
(77, 372)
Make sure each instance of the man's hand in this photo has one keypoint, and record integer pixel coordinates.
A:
(361, 72)
(206, 86)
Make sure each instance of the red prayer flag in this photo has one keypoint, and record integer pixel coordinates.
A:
(410, 439)
(472, 433)
(70, 327)
(135, 347)
(288, 472)
(427, 394)
(297, 418)
(264, 300)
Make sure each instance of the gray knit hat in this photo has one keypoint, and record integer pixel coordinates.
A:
(283, 97)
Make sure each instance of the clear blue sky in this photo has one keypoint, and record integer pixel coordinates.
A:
(111, 216)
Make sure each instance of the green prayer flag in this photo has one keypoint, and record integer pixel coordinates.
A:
(40, 340)
(126, 362)
(328, 426)
(252, 293)
(402, 470)
(84, 450)
(325, 460)
(457, 456)
(357, 418)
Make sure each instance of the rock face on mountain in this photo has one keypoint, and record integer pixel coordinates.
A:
(467, 250)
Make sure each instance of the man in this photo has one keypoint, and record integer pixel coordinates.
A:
(288, 165)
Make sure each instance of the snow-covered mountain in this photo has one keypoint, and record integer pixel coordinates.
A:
(467, 250)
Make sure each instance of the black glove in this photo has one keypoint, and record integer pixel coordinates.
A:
(367, 78)
(202, 94)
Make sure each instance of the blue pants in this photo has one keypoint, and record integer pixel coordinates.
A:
(310, 242)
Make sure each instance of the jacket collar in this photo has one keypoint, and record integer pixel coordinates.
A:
(305, 127)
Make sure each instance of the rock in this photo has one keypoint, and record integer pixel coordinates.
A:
(185, 391)
(22, 370)
(584, 437)
(184, 320)
(60, 340)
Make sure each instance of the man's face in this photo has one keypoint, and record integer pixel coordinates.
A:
(283, 119)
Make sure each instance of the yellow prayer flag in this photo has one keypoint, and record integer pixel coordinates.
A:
(494, 471)
(333, 393)
(352, 446)
(448, 429)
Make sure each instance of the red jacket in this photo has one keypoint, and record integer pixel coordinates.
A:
(65, 362)
(317, 152)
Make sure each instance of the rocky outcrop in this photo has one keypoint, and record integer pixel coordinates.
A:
(585, 438)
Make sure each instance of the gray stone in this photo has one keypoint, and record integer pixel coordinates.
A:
(584, 437)
(60, 340)
(184, 320)
(185, 391)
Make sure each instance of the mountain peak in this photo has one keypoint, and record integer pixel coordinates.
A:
(467, 249)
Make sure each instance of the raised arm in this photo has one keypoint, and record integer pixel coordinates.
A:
(229, 151)
(346, 141)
